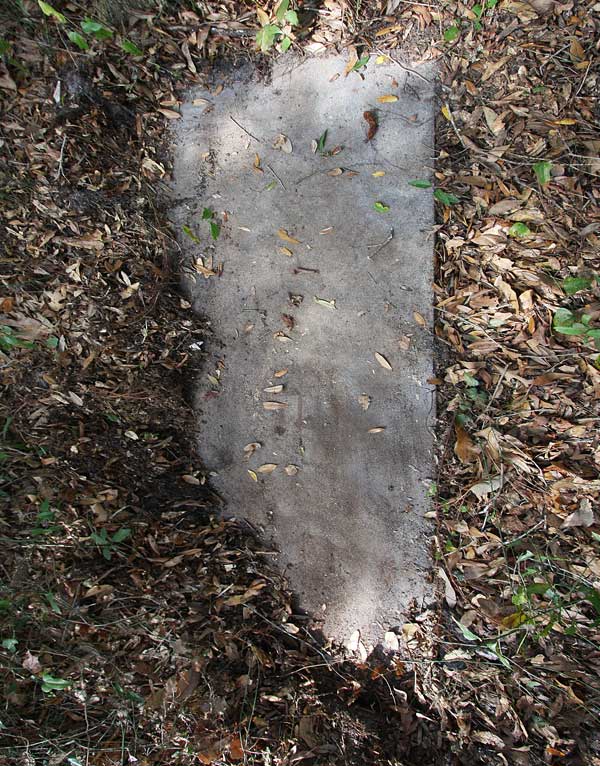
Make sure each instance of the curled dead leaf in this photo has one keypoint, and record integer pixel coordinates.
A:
(383, 361)
(282, 234)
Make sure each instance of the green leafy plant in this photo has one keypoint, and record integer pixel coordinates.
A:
(276, 29)
(95, 29)
(451, 33)
(45, 519)
(108, 545)
(9, 340)
(419, 183)
(362, 61)
(573, 285)
(519, 230)
(51, 684)
(445, 197)
(567, 322)
(208, 215)
(381, 207)
(543, 172)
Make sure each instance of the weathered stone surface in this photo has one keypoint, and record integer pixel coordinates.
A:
(349, 523)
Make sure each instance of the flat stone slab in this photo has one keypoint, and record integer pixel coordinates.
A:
(314, 410)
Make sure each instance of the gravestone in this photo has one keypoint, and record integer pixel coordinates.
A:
(314, 408)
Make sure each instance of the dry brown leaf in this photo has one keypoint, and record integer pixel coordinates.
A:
(267, 468)
(464, 447)
(272, 406)
(376, 430)
(283, 143)
(291, 469)
(364, 400)
(280, 373)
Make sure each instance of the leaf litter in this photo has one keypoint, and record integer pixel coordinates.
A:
(512, 676)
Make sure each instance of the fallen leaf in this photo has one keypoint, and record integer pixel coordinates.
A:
(419, 319)
(251, 448)
(267, 468)
(464, 447)
(252, 475)
(291, 469)
(31, 663)
(376, 430)
(582, 517)
(272, 406)
(273, 389)
(449, 592)
(170, 114)
(280, 373)
(236, 749)
(484, 488)
(378, 174)
(330, 304)
(390, 99)
(371, 119)
(390, 639)
(282, 234)
(286, 251)
(364, 400)
(283, 143)
(335, 172)
(383, 361)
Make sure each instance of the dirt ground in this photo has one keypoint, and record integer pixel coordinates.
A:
(135, 626)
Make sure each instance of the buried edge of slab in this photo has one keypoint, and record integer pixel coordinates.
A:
(314, 408)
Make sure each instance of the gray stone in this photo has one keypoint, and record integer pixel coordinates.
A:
(349, 524)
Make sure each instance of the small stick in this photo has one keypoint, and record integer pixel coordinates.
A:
(277, 177)
(60, 171)
(381, 245)
(241, 127)
(299, 269)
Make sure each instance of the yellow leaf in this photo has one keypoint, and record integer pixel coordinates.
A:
(263, 17)
(419, 319)
(282, 234)
(280, 373)
(252, 475)
(378, 174)
(387, 99)
(286, 251)
(381, 59)
(267, 468)
(447, 113)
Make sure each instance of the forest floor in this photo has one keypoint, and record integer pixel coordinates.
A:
(137, 627)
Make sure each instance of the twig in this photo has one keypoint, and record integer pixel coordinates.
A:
(60, 172)
(381, 245)
(277, 177)
(241, 127)
(406, 68)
